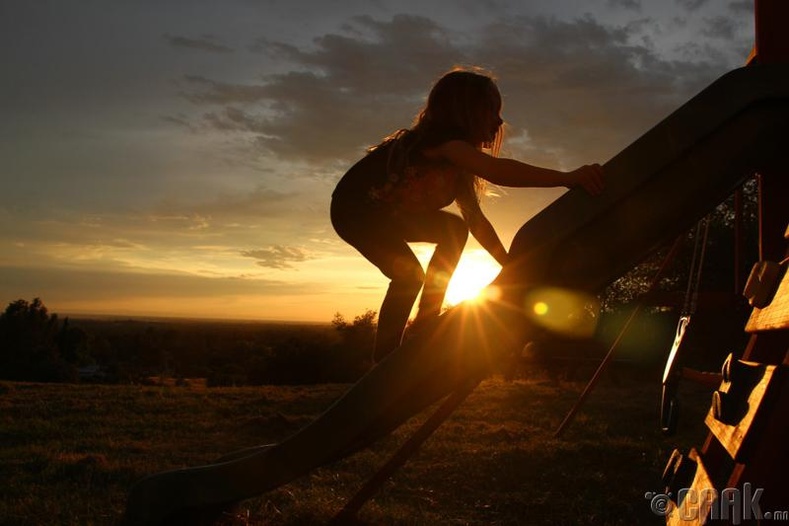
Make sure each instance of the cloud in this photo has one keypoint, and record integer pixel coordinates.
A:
(372, 58)
(634, 5)
(261, 203)
(598, 89)
(277, 256)
(179, 120)
(60, 284)
(245, 217)
(575, 90)
(344, 93)
(720, 27)
(742, 7)
(204, 43)
(215, 92)
(201, 236)
(691, 5)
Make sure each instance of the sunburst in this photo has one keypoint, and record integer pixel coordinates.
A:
(474, 272)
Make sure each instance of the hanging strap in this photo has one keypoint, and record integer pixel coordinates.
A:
(696, 267)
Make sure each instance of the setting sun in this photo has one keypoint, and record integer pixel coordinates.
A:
(475, 271)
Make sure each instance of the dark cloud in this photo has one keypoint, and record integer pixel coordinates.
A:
(371, 58)
(720, 27)
(277, 256)
(691, 5)
(343, 91)
(563, 82)
(232, 118)
(742, 7)
(215, 92)
(204, 43)
(597, 89)
(179, 120)
(634, 5)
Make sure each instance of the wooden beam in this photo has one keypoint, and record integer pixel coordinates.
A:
(771, 45)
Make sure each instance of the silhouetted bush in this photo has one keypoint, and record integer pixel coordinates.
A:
(34, 346)
(357, 339)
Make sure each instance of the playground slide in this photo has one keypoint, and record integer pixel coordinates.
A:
(655, 189)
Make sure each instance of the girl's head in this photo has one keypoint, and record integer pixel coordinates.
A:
(466, 101)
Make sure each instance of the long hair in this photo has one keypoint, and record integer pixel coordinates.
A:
(456, 107)
(459, 101)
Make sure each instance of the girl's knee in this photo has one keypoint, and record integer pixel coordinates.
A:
(407, 273)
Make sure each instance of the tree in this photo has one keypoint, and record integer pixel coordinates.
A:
(356, 344)
(74, 344)
(718, 271)
(29, 348)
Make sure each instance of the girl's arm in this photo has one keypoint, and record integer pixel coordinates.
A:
(509, 172)
(481, 228)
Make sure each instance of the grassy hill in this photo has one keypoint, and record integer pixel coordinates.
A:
(71, 452)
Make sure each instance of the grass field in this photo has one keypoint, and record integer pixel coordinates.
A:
(71, 452)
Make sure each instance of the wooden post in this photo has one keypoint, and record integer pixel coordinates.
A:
(738, 243)
(773, 213)
(771, 45)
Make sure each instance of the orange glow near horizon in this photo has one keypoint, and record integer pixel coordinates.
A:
(321, 288)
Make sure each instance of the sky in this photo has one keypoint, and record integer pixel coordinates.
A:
(177, 158)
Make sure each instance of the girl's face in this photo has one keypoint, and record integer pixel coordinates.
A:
(490, 119)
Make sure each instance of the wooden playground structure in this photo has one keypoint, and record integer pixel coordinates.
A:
(738, 475)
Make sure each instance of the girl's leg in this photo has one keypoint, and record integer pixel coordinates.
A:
(400, 296)
(449, 232)
(381, 240)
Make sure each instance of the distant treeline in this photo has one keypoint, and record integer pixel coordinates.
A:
(37, 346)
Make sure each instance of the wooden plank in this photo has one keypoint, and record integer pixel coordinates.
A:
(770, 44)
(774, 316)
(695, 502)
(743, 408)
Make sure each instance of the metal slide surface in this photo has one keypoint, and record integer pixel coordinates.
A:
(655, 189)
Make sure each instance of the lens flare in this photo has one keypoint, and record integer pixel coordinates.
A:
(566, 312)
(540, 308)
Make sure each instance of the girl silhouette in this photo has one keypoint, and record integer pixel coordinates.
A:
(397, 193)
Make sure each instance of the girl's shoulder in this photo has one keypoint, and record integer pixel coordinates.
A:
(425, 147)
(431, 138)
